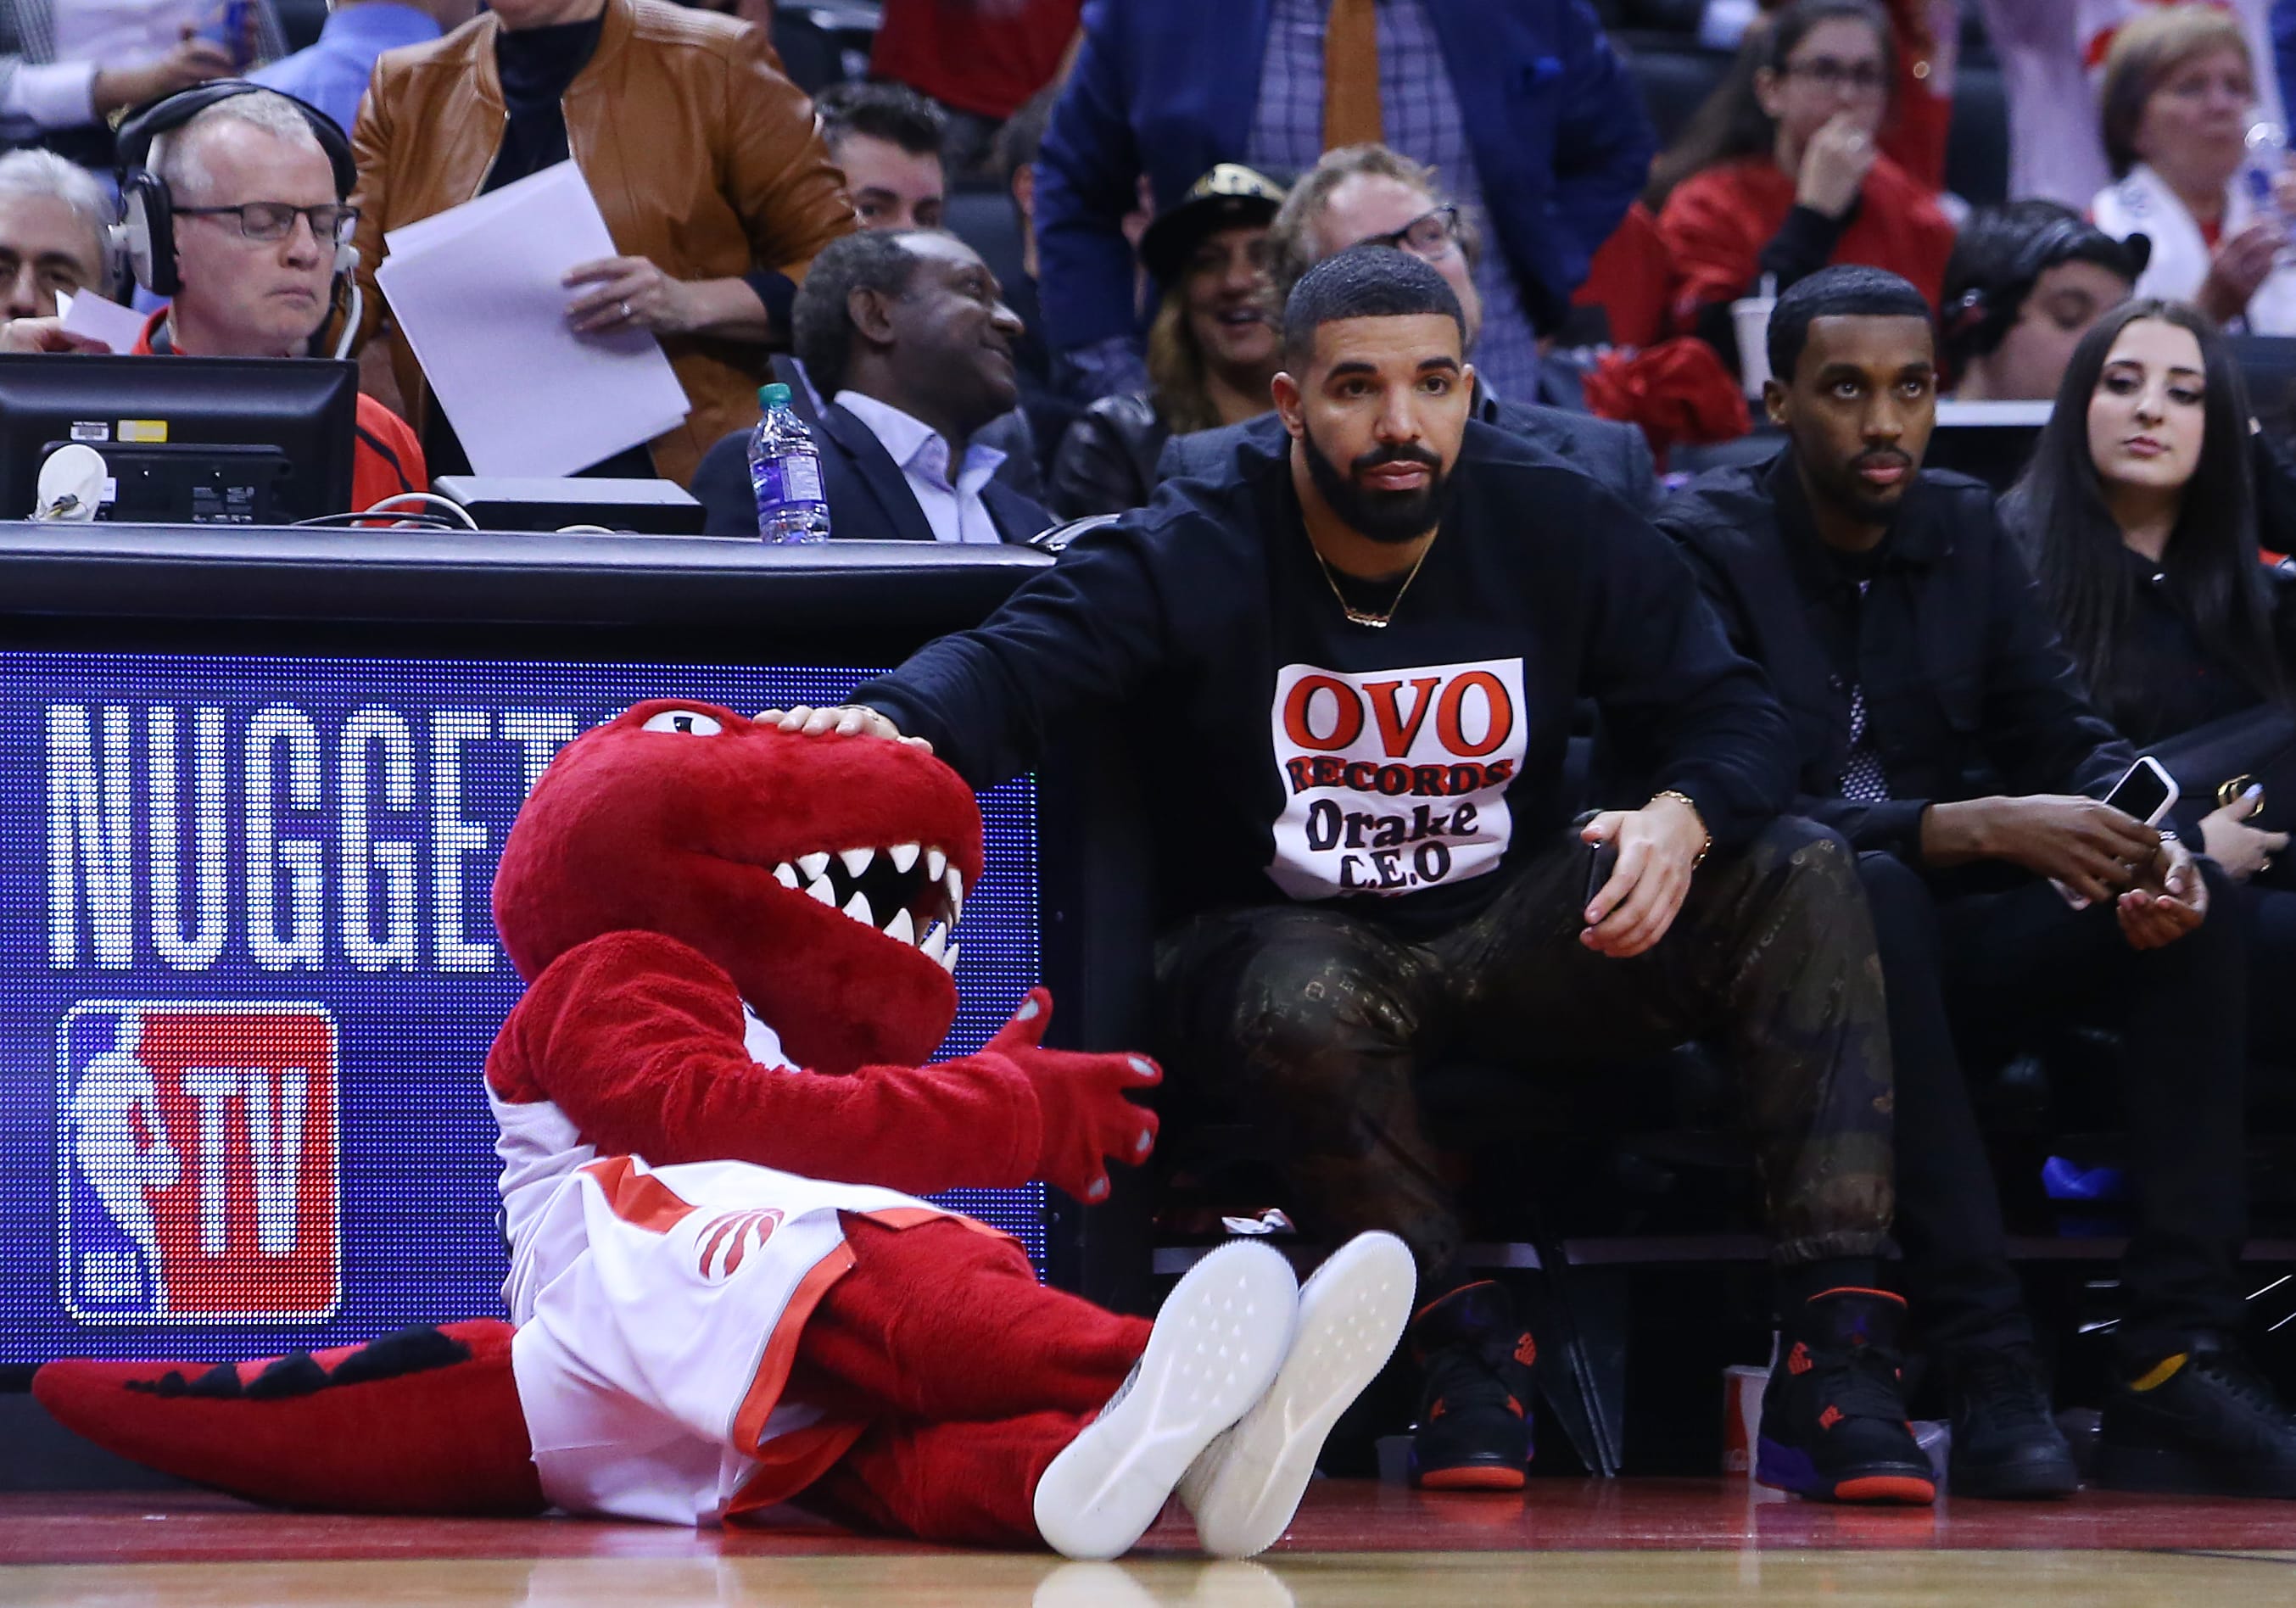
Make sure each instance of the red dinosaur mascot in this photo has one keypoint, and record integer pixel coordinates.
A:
(737, 951)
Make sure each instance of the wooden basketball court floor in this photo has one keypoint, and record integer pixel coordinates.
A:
(1711, 1544)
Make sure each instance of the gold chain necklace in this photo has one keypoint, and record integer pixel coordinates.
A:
(1364, 616)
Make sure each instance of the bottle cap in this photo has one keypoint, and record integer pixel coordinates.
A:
(776, 394)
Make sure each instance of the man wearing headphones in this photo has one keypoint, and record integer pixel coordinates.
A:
(234, 207)
(2025, 283)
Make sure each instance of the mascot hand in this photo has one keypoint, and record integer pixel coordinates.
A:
(1080, 1099)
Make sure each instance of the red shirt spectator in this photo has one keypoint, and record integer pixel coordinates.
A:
(1921, 113)
(386, 461)
(1717, 224)
(1782, 174)
(982, 57)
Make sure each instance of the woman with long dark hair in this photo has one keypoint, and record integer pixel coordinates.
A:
(2138, 514)
(1780, 175)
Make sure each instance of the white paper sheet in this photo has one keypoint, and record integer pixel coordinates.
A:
(90, 315)
(477, 291)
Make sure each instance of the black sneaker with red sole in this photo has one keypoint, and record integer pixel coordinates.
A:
(1833, 1416)
(1475, 1362)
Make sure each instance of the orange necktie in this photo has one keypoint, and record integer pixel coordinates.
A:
(1351, 115)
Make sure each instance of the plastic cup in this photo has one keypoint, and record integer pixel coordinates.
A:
(1752, 318)
(1742, 1418)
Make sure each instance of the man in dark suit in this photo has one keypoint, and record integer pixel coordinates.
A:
(908, 336)
(1523, 102)
(1366, 195)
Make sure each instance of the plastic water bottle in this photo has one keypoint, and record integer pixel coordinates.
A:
(785, 473)
(2267, 156)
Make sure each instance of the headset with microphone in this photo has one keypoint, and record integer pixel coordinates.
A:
(1978, 318)
(145, 234)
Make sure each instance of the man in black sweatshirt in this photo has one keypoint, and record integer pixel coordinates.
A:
(1349, 666)
(1942, 729)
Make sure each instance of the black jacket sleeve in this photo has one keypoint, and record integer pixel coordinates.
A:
(1684, 707)
(1097, 468)
(1804, 243)
(1083, 633)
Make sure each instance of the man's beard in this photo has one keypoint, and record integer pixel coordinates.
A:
(1392, 517)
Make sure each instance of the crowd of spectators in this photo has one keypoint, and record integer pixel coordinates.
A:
(1521, 124)
(1371, 269)
(1823, 143)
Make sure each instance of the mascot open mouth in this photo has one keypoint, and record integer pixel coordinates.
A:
(907, 891)
(732, 835)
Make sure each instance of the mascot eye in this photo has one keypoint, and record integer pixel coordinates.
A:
(688, 721)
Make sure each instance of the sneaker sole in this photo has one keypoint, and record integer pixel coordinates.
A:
(1352, 1312)
(1488, 1476)
(1783, 1468)
(1888, 1487)
(1218, 1341)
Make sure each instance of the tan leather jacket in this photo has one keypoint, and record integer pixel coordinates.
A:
(703, 158)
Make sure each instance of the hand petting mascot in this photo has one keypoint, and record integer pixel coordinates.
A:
(710, 1103)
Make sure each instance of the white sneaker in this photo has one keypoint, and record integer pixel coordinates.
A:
(1247, 1484)
(1218, 1341)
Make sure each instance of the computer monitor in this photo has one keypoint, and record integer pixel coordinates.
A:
(185, 440)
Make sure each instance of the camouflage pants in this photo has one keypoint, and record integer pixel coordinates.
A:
(1311, 1027)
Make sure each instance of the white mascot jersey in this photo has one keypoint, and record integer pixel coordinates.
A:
(658, 1313)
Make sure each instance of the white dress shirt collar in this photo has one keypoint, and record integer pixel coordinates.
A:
(953, 508)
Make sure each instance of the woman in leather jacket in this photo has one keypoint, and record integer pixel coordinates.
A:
(1211, 351)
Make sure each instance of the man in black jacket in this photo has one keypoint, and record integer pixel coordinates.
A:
(1913, 655)
(1371, 195)
(908, 340)
(1349, 666)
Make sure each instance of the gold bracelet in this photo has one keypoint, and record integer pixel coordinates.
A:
(1690, 804)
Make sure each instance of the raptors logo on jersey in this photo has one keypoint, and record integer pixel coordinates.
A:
(197, 1146)
(727, 1239)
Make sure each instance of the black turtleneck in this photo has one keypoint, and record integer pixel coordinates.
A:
(536, 66)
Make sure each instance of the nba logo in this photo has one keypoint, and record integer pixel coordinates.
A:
(197, 1163)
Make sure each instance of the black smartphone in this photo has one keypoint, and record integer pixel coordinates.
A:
(1606, 861)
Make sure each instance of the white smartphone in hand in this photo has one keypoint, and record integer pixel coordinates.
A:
(2147, 790)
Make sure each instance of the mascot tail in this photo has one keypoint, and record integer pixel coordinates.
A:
(425, 1420)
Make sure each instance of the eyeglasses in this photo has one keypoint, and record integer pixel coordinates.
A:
(1431, 237)
(1862, 78)
(275, 220)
